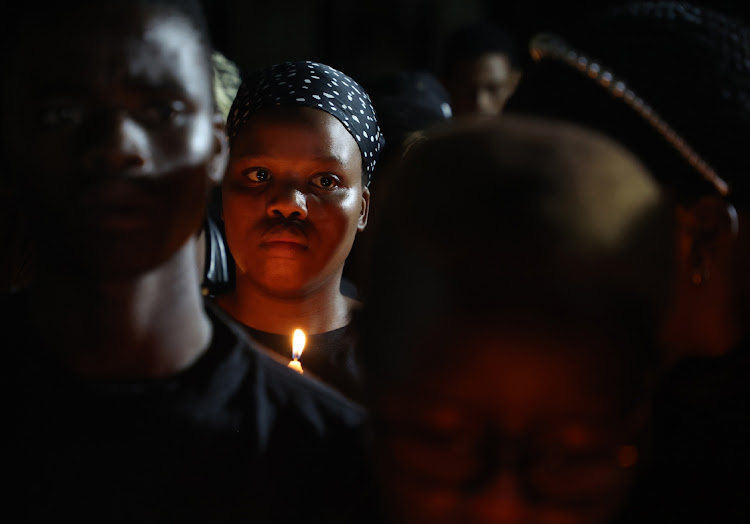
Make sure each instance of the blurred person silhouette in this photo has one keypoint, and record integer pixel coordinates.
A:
(127, 398)
(480, 68)
(407, 102)
(671, 82)
(508, 339)
(15, 259)
(303, 143)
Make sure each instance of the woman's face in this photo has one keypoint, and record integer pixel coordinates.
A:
(293, 200)
(516, 429)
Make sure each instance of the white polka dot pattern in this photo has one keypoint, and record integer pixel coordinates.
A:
(311, 84)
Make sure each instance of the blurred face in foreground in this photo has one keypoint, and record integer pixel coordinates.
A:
(516, 427)
(117, 140)
(509, 348)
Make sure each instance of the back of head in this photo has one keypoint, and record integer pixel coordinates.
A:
(646, 70)
(518, 218)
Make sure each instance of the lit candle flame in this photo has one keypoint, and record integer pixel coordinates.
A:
(298, 343)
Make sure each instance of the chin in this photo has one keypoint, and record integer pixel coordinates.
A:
(116, 258)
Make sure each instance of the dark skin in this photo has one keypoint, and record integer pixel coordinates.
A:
(520, 429)
(505, 399)
(293, 201)
(709, 310)
(482, 86)
(114, 163)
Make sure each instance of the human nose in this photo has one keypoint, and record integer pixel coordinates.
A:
(501, 501)
(116, 143)
(287, 201)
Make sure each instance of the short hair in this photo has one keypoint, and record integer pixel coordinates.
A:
(553, 222)
(477, 39)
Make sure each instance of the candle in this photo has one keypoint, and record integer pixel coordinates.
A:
(298, 345)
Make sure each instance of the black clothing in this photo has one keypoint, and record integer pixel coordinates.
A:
(236, 437)
(700, 456)
(328, 356)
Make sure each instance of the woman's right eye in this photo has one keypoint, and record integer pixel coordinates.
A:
(257, 175)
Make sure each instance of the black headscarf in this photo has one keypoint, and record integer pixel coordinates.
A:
(315, 85)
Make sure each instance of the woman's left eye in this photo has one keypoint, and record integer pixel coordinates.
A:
(324, 181)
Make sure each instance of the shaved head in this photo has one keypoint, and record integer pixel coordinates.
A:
(520, 217)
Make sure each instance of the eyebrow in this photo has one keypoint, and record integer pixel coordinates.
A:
(322, 159)
(166, 86)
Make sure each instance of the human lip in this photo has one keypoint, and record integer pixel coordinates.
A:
(284, 235)
(115, 205)
(117, 196)
(116, 219)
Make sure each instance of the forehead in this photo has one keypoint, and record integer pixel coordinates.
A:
(295, 132)
(520, 378)
(100, 47)
(488, 67)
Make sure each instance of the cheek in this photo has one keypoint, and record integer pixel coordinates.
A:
(410, 500)
(188, 144)
(240, 209)
(339, 216)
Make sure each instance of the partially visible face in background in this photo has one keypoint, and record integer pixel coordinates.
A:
(482, 86)
(515, 428)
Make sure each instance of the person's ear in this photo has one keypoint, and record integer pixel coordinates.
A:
(364, 212)
(706, 230)
(220, 152)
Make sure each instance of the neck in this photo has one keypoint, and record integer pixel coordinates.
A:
(319, 311)
(145, 326)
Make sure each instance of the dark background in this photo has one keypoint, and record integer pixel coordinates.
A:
(366, 39)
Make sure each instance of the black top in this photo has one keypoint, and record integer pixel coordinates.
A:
(236, 437)
(700, 456)
(328, 356)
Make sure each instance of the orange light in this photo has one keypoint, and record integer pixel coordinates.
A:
(298, 343)
(298, 346)
(627, 456)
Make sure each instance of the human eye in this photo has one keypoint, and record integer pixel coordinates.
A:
(325, 181)
(257, 175)
(61, 114)
(565, 473)
(435, 459)
(160, 112)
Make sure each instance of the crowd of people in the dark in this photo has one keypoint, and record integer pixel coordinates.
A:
(522, 279)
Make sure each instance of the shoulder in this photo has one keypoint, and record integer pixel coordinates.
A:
(12, 304)
(15, 322)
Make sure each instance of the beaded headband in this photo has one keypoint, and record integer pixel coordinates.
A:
(554, 47)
